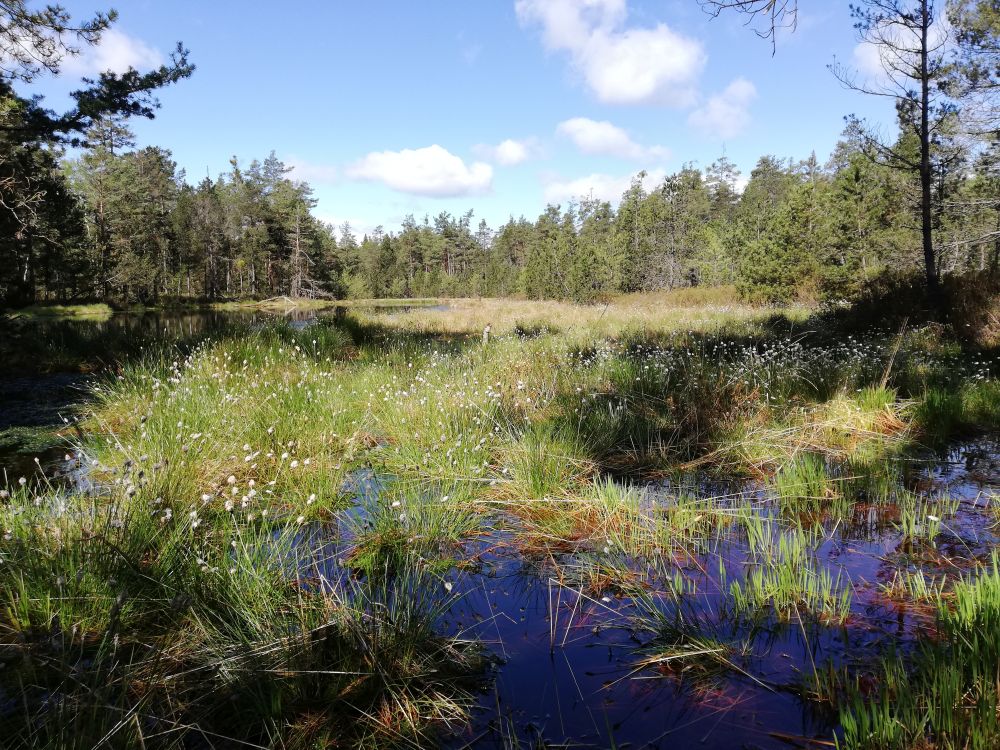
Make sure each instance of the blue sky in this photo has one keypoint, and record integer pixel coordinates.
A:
(391, 108)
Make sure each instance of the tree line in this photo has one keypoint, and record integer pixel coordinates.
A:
(122, 224)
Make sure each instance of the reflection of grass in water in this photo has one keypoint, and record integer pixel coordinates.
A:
(29, 441)
(686, 642)
(59, 344)
(35, 312)
(944, 696)
(27, 452)
(286, 303)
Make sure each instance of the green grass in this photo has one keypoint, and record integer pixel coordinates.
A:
(804, 482)
(234, 577)
(202, 617)
(946, 695)
(970, 407)
(783, 578)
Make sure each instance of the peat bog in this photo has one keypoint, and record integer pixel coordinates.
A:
(606, 526)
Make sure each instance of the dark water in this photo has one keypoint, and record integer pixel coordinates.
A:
(568, 669)
(567, 659)
(48, 367)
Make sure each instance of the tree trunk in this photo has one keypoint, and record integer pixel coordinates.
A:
(926, 218)
(28, 282)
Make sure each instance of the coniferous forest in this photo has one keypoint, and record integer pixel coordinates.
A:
(124, 225)
(712, 463)
(88, 216)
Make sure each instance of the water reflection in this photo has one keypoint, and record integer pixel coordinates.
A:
(579, 667)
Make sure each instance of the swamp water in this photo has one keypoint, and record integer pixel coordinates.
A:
(590, 647)
(694, 647)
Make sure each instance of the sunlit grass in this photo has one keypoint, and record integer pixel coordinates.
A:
(98, 311)
(946, 695)
(282, 513)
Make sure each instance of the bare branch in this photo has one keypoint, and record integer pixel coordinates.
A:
(776, 14)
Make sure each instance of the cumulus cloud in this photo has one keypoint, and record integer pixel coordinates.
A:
(432, 171)
(878, 64)
(600, 137)
(868, 61)
(117, 52)
(604, 187)
(620, 64)
(726, 114)
(507, 153)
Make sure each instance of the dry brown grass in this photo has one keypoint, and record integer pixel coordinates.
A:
(837, 429)
(684, 309)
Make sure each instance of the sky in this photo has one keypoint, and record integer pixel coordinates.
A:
(389, 108)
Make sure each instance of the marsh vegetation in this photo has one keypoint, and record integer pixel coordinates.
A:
(654, 522)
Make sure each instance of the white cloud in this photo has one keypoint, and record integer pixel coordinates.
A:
(875, 62)
(566, 24)
(117, 52)
(509, 152)
(601, 186)
(432, 171)
(726, 114)
(868, 61)
(601, 137)
(309, 172)
(620, 65)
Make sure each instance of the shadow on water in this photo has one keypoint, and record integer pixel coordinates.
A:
(48, 365)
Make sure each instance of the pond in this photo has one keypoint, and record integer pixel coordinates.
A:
(621, 662)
